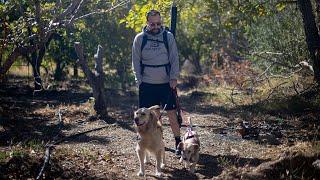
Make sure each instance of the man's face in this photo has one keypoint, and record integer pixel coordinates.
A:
(154, 24)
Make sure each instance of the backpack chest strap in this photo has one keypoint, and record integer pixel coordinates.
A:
(155, 66)
(167, 66)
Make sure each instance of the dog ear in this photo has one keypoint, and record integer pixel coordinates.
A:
(180, 146)
(156, 107)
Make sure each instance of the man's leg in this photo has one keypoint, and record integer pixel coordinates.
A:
(174, 122)
(175, 128)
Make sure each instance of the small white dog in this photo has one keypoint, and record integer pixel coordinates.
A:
(150, 131)
(190, 148)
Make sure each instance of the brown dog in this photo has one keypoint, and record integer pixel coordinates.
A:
(149, 129)
(190, 147)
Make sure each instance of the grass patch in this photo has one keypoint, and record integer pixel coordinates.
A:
(34, 144)
(316, 146)
(3, 156)
(18, 153)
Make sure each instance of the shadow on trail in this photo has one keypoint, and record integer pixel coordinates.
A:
(19, 123)
(291, 106)
(211, 166)
(176, 173)
(123, 123)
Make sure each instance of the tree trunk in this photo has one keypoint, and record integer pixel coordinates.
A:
(95, 79)
(75, 70)
(312, 35)
(58, 71)
(196, 62)
(8, 63)
(45, 35)
(37, 78)
(36, 59)
(318, 12)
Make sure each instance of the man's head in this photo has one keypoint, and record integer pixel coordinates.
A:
(153, 21)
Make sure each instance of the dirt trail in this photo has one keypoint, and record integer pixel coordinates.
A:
(109, 153)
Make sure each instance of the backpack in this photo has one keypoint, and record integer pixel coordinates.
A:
(166, 44)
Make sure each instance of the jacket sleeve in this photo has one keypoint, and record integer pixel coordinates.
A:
(173, 57)
(136, 57)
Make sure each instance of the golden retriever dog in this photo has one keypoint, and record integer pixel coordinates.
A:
(190, 147)
(151, 141)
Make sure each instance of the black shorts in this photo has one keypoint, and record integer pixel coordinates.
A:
(156, 94)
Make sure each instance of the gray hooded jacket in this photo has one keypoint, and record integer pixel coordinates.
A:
(155, 53)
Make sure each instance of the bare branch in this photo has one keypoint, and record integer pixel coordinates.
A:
(273, 89)
(46, 161)
(71, 8)
(38, 19)
(18, 51)
(101, 12)
(267, 52)
(83, 62)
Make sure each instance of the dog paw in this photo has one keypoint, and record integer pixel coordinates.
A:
(158, 174)
(140, 173)
(163, 165)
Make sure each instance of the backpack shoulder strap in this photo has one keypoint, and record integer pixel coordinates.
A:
(165, 40)
(144, 41)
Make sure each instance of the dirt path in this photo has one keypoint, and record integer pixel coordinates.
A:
(109, 153)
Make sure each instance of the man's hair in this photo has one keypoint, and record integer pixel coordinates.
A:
(152, 13)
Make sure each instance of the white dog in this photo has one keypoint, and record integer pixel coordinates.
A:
(190, 147)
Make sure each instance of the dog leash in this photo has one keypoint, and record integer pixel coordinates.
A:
(180, 111)
(161, 113)
(165, 105)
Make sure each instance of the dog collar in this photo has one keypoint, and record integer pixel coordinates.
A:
(189, 137)
(190, 134)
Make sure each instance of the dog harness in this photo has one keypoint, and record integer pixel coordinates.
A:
(190, 133)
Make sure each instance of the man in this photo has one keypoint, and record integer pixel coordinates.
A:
(155, 63)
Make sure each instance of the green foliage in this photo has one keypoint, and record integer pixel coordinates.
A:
(17, 153)
(3, 156)
(34, 144)
(136, 17)
(105, 29)
(203, 27)
(281, 32)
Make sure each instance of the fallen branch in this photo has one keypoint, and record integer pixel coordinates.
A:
(50, 147)
(46, 161)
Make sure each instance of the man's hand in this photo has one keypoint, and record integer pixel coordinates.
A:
(173, 83)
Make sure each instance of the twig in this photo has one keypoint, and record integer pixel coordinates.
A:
(100, 12)
(76, 135)
(46, 161)
(49, 147)
(273, 89)
(295, 88)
